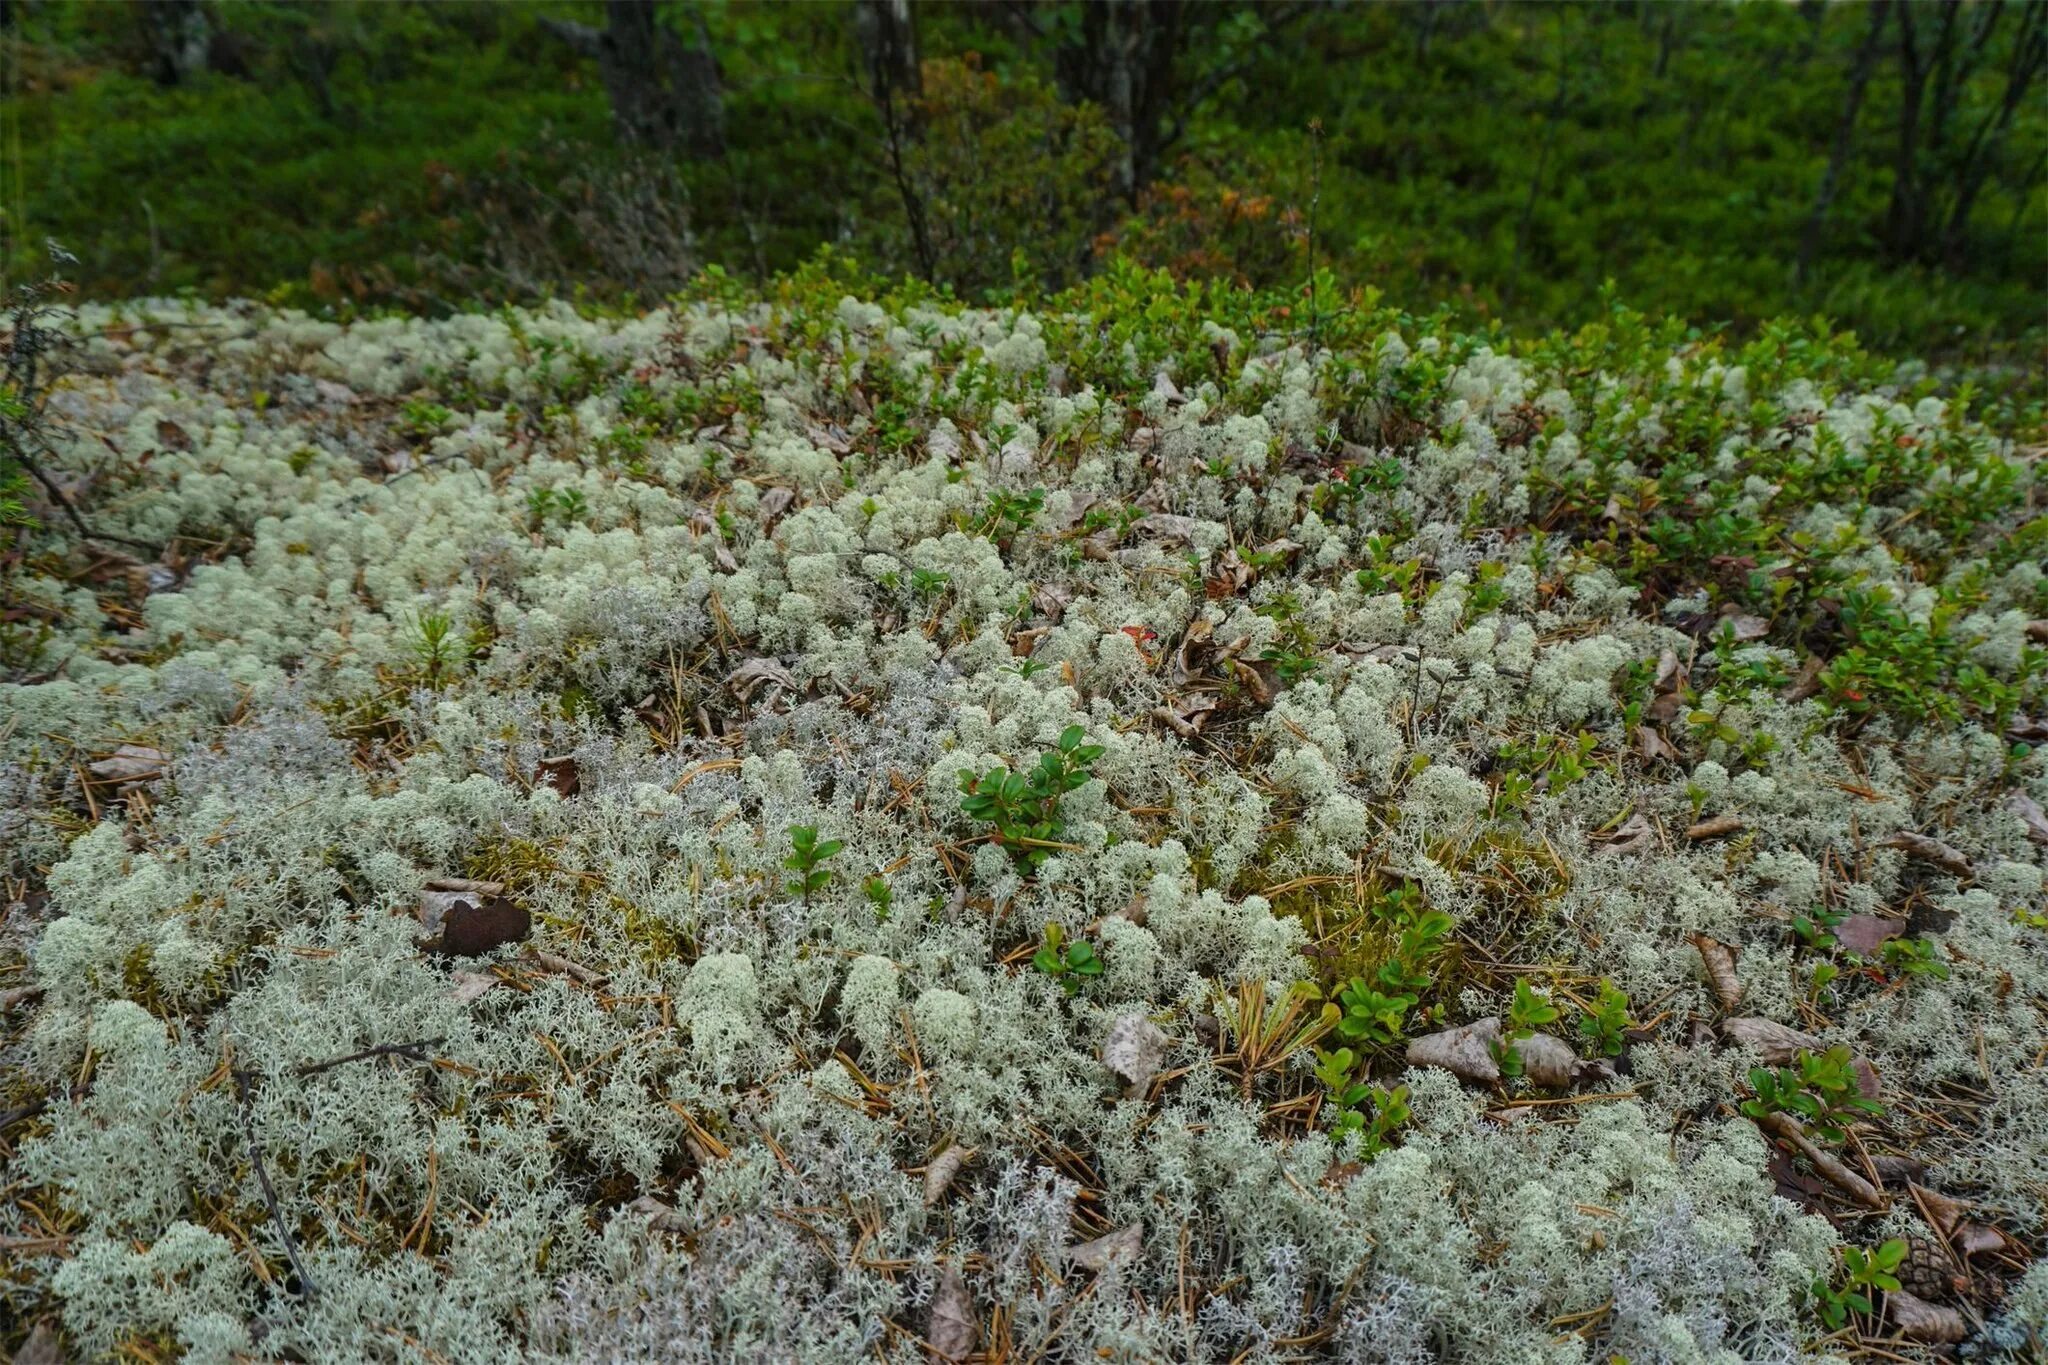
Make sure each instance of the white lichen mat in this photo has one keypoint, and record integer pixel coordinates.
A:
(540, 634)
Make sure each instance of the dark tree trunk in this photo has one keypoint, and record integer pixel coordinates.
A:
(1124, 62)
(887, 30)
(888, 44)
(663, 94)
(179, 38)
(1845, 137)
(1902, 217)
(2029, 56)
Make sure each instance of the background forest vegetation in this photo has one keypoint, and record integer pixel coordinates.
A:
(1882, 164)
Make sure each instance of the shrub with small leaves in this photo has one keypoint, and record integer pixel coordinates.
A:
(1914, 957)
(1867, 1272)
(1527, 1012)
(807, 859)
(1024, 807)
(1819, 1088)
(1360, 1110)
(1606, 1025)
(1066, 962)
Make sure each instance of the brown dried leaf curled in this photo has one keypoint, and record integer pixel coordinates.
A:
(1552, 1064)
(1776, 1043)
(559, 772)
(131, 765)
(473, 927)
(1929, 850)
(2031, 815)
(1719, 960)
(1924, 1322)
(952, 1332)
(945, 1168)
(1121, 1244)
(1865, 935)
(1466, 1052)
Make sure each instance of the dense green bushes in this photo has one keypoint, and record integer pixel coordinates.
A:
(1508, 160)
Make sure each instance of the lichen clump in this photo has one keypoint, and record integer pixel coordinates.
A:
(1262, 649)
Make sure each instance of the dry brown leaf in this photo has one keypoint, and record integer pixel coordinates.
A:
(1465, 1052)
(945, 1168)
(2031, 815)
(1776, 1043)
(1806, 682)
(1865, 935)
(1552, 1064)
(1720, 827)
(1719, 961)
(466, 987)
(1924, 1322)
(1166, 526)
(559, 772)
(131, 765)
(173, 436)
(752, 675)
(1654, 748)
(830, 438)
(562, 966)
(775, 502)
(1635, 835)
(952, 1333)
(660, 1217)
(2027, 730)
(1929, 850)
(1133, 1051)
(1255, 677)
(42, 1347)
(469, 923)
(1123, 1243)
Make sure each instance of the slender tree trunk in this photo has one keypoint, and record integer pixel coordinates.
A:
(1902, 217)
(178, 38)
(887, 31)
(663, 94)
(2030, 54)
(1124, 62)
(1845, 137)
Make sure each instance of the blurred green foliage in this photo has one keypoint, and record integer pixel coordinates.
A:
(1508, 160)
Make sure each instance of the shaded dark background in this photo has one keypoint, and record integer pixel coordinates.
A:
(1882, 163)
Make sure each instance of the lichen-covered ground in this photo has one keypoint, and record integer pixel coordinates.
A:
(1630, 690)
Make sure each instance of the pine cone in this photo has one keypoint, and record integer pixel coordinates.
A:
(1928, 1273)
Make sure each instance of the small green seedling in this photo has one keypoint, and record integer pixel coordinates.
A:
(1817, 930)
(1066, 963)
(1009, 513)
(807, 858)
(1915, 957)
(1606, 1025)
(1527, 1012)
(436, 648)
(1371, 1015)
(880, 895)
(1025, 807)
(1370, 1114)
(1868, 1272)
(1820, 1089)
